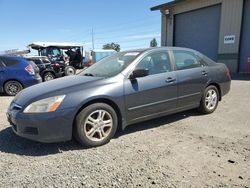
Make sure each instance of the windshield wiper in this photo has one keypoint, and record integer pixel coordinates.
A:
(88, 74)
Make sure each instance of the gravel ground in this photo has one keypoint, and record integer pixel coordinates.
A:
(182, 150)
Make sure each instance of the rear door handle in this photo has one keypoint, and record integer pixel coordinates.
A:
(204, 73)
(170, 80)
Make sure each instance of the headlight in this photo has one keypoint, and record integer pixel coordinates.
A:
(45, 105)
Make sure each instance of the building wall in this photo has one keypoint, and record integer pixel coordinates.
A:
(230, 24)
(231, 18)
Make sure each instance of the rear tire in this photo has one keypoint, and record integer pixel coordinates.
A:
(12, 87)
(47, 76)
(69, 70)
(95, 125)
(209, 100)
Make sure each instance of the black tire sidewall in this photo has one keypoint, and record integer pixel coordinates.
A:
(11, 82)
(69, 67)
(203, 107)
(81, 117)
(46, 73)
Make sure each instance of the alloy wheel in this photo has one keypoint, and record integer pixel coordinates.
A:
(211, 99)
(48, 77)
(12, 88)
(98, 125)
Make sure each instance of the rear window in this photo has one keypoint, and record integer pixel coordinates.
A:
(46, 61)
(9, 62)
(1, 63)
(36, 61)
(33, 64)
(207, 60)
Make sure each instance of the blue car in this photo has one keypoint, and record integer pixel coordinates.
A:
(17, 73)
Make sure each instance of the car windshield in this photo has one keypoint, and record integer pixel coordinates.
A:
(112, 65)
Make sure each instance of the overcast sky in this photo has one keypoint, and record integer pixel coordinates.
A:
(127, 22)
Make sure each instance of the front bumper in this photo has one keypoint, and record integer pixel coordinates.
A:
(43, 127)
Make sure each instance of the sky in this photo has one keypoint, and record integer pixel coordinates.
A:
(129, 23)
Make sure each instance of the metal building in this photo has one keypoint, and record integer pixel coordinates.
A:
(218, 28)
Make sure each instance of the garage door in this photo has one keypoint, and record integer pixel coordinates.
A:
(199, 30)
(245, 40)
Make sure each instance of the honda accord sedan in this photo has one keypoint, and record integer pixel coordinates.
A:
(119, 90)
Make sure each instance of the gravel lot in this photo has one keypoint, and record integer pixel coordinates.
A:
(182, 150)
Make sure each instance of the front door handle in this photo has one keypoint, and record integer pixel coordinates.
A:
(170, 80)
(204, 73)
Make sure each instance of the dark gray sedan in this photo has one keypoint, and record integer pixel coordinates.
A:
(123, 89)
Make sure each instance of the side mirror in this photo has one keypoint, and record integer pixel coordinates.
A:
(139, 73)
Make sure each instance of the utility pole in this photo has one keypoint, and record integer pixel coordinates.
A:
(93, 43)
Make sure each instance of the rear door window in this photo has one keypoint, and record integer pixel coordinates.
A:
(10, 62)
(186, 60)
(37, 61)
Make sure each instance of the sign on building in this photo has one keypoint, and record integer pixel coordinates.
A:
(229, 39)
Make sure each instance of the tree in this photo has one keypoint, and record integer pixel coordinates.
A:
(153, 43)
(112, 45)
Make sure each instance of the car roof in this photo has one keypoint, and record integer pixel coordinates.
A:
(12, 57)
(159, 48)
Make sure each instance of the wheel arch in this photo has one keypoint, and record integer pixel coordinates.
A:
(3, 88)
(12, 80)
(45, 71)
(218, 88)
(102, 100)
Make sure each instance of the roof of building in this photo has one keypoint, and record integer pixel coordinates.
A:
(171, 3)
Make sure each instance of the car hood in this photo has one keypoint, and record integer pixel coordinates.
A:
(51, 88)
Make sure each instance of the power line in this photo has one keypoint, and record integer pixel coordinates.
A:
(121, 24)
(112, 35)
(115, 28)
(117, 33)
(131, 40)
(127, 26)
(130, 34)
(93, 43)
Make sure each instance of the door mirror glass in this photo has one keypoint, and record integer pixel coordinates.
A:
(137, 73)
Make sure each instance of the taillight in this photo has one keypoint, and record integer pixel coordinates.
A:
(30, 70)
(227, 72)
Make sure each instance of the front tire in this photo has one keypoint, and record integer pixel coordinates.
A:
(209, 100)
(12, 87)
(95, 125)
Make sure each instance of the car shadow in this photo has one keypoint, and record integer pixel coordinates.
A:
(154, 123)
(10, 143)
